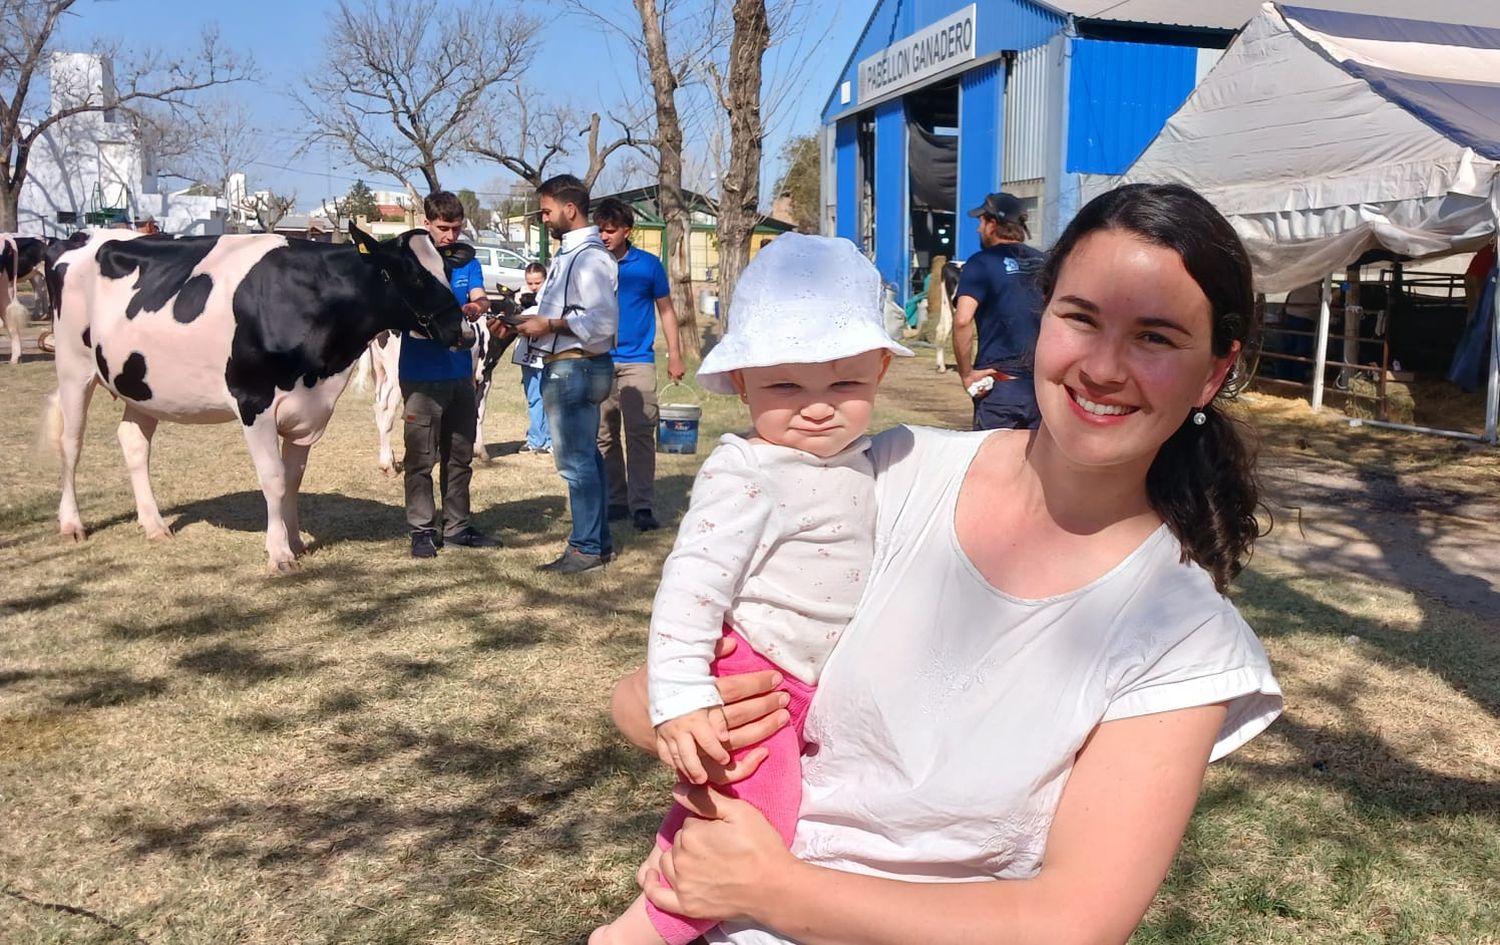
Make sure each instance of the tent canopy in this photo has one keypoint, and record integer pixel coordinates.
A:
(1324, 135)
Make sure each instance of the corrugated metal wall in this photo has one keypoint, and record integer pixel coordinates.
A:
(892, 205)
(846, 147)
(1026, 116)
(1119, 96)
(981, 91)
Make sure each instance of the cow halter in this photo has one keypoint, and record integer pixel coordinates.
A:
(424, 320)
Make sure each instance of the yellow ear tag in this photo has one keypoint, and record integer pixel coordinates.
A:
(363, 249)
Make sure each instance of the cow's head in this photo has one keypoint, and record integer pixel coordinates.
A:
(412, 267)
(504, 303)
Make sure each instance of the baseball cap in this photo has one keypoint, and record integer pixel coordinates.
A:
(1001, 206)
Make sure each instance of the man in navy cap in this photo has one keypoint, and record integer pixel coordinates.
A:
(999, 297)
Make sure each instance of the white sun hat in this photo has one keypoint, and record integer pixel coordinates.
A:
(801, 300)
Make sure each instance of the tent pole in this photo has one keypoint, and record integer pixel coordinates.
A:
(1320, 351)
(1492, 398)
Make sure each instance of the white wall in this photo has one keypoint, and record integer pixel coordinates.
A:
(93, 161)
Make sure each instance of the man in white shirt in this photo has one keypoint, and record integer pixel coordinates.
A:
(574, 327)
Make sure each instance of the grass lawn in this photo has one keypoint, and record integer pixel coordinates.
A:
(383, 750)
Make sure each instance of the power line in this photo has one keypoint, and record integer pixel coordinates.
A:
(371, 180)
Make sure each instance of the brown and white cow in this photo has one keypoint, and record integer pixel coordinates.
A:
(19, 256)
(259, 329)
(943, 332)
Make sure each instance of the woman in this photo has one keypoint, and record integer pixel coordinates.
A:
(538, 437)
(1043, 664)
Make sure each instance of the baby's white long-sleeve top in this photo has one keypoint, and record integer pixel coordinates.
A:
(777, 543)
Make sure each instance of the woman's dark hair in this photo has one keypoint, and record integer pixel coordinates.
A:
(535, 267)
(614, 212)
(1202, 482)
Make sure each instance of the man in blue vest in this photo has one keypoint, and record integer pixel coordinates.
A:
(627, 427)
(437, 386)
(574, 329)
(998, 296)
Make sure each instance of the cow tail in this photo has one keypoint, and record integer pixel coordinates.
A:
(363, 369)
(49, 435)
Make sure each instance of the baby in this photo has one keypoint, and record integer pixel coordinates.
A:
(779, 537)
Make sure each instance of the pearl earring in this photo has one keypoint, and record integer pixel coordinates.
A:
(1199, 418)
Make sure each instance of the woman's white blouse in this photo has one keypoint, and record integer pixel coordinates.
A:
(948, 717)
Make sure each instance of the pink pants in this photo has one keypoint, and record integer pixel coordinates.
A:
(775, 788)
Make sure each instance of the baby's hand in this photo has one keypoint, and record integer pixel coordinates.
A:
(680, 741)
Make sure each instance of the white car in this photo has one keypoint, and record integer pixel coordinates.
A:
(502, 267)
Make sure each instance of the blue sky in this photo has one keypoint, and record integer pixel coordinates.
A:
(286, 39)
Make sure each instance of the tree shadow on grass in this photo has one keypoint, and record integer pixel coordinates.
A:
(329, 517)
(242, 665)
(87, 687)
(1461, 652)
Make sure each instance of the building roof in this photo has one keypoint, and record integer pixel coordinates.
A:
(1234, 14)
(643, 201)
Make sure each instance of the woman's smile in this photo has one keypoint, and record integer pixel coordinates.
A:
(1099, 410)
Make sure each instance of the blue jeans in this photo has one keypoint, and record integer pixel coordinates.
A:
(537, 436)
(572, 391)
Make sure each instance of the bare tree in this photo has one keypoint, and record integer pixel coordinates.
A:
(529, 134)
(739, 188)
(228, 140)
(743, 106)
(269, 208)
(400, 89)
(696, 31)
(27, 44)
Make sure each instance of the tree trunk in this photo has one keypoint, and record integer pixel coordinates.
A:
(739, 198)
(10, 200)
(669, 178)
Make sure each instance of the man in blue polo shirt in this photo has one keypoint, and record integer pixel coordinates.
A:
(437, 385)
(645, 296)
(998, 296)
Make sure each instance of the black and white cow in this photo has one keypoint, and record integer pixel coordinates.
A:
(384, 358)
(19, 257)
(260, 329)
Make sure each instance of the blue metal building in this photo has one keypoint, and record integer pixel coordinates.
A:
(943, 101)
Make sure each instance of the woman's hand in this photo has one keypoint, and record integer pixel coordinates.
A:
(752, 707)
(724, 862)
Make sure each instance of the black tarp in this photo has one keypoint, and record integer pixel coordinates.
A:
(933, 159)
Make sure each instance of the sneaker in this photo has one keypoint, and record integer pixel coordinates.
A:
(528, 448)
(617, 513)
(644, 521)
(544, 451)
(573, 561)
(424, 543)
(469, 538)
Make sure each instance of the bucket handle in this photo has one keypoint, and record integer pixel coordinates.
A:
(694, 402)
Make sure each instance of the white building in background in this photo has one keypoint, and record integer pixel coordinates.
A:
(91, 169)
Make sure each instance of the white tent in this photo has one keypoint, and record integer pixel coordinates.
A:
(1322, 135)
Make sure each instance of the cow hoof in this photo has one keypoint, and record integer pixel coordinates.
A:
(73, 534)
(283, 568)
(298, 549)
(159, 534)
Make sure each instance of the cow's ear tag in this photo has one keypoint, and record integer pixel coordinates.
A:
(363, 249)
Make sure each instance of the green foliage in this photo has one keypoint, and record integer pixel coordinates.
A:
(801, 180)
(359, 201)
(474, 212)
